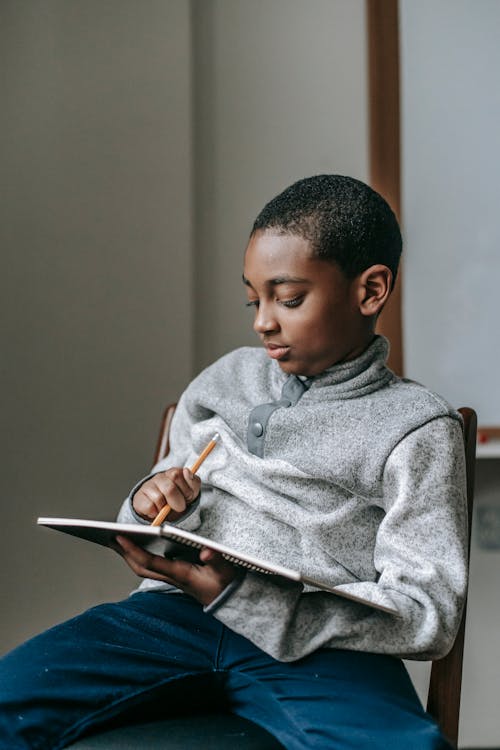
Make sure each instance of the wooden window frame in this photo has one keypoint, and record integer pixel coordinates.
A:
(384, 141)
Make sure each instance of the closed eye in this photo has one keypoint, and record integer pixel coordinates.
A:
(295, 302)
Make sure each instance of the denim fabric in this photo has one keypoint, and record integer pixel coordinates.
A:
(160, 654)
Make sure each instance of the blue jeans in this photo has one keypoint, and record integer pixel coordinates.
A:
(161, 654)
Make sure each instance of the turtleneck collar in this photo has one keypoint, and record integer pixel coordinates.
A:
(356, 377)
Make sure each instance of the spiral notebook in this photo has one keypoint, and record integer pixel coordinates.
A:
(172, 542)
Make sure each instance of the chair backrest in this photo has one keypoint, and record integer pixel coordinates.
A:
(163, 443)
(443, 700)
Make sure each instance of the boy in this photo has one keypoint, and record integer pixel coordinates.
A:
(326, 462)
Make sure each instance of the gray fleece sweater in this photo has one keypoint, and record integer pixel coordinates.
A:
(358, 481)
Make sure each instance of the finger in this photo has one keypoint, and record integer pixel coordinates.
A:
(147, 565)
(193, 481)
(216, 561)
(144, 508)
(185, 481)
(212, 577)
(150, 498)
(175, 490)
(208, 555)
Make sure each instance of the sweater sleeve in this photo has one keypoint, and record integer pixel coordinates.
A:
(420, 555)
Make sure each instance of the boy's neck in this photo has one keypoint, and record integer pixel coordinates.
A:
(349, 357)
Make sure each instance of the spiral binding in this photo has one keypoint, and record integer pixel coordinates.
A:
(229, 558)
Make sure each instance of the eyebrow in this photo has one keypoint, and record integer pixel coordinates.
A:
(285, 279)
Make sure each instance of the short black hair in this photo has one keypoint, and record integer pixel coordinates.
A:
(344, 220)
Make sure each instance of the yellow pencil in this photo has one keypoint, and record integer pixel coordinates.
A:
(194, 468)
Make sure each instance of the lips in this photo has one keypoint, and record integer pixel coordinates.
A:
(277, 351)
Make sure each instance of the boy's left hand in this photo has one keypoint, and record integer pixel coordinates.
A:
(204, 582)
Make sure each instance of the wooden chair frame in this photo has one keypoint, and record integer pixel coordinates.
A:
(443, 699)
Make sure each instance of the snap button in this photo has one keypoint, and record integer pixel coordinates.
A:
(257, 429)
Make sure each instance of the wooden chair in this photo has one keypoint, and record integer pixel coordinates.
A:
(443, 699)
(225, 731)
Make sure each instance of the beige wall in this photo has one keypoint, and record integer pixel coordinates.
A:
(280, 95)
(96, 273)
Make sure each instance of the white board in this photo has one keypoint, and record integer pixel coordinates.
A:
(450, 109)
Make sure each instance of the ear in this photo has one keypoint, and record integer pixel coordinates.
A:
(374, 289)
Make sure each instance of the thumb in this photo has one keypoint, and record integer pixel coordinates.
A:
(209, 555)
(215, 559)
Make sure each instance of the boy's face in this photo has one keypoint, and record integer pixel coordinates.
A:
(306, 311)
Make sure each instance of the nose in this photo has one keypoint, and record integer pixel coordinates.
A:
(265, 321)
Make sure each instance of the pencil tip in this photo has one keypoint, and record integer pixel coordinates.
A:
(216, 437)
